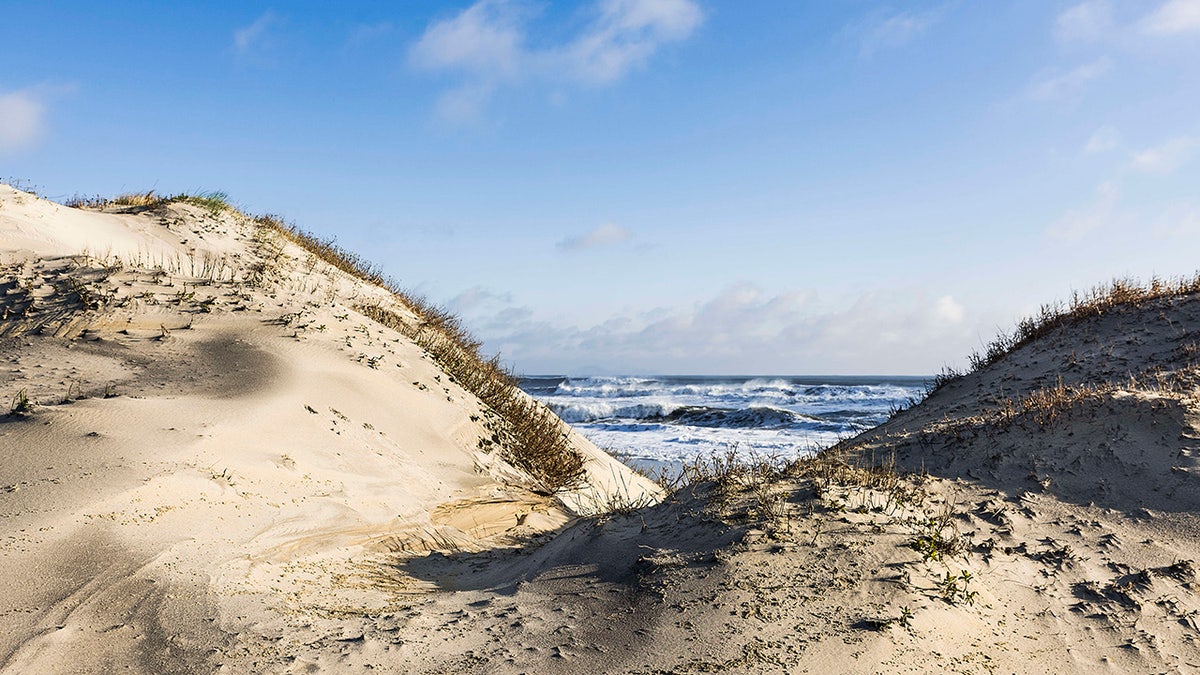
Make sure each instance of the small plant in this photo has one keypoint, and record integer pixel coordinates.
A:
(74, 392)
(954, 588)
(937, 539)
(21, 405)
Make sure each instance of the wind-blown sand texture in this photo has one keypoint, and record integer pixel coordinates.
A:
(251, 476)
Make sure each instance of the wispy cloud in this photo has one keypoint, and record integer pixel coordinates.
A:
(485, 40)
(1103, 139)
(1094, 21)
(1054, 85)
(1087, 21)
(887, 29)
(1078, 223)
(604, 235)
(1175, 17)
(22, 119)
(486, 46)
(253, 41)
(1167, 157)
(624, 35)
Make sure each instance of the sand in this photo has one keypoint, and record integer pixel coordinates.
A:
(231, 474)
(211, 463)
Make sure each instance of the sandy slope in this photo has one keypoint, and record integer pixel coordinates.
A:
(259, 479)
(221, 453)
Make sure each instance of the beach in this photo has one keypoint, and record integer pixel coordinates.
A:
(229, 448)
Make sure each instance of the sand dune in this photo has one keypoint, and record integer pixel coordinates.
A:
(212, 461)
(227, 467)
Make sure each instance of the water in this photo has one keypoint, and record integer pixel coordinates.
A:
(666, 421)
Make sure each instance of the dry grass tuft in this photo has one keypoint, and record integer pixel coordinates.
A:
(842, 466)
(533, 437)
(328, 250)
(1050, 405)
(1096, 302)
(1117, 294)
(147, 198)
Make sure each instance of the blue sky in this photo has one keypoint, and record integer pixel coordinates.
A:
(655, 186)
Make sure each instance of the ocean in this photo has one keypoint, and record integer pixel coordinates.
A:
(664, 422)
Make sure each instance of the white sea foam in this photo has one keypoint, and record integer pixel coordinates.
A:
(674, 419)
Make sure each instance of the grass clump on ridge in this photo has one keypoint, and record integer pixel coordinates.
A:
(1083, 305)
(214, 202)
(1118, 293)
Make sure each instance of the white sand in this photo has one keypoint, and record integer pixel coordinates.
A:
(279, 484)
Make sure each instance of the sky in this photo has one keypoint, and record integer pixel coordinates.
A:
(655, 186)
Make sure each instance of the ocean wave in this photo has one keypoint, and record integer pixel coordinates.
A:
(757, 417)
(591, 411)
(766, 391)
(674, 418)
(754, 417)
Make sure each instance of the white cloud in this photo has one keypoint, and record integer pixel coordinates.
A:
(1175, 17)
(22, 120)
(252, 39)
(485, 39)
(486, 45)
(604, 235)
(1087, 21)
(1078, 223)
(949, 309)
(1167, 157)
(1103, 139)
(887, 30)
(740, 329)
(1058, 85)
(624, 36)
